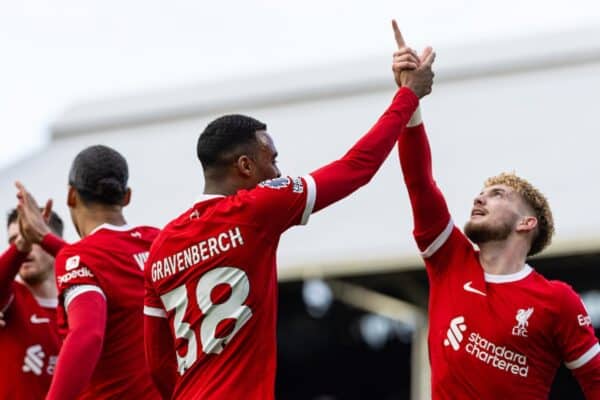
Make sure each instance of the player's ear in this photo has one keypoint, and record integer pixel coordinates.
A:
(72, 197)
(527, 223)
(126, 198)
(245, 166)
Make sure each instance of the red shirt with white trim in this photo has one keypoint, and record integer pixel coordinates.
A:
(29, 345)
(499, 336)
(490, 336)
(111, 261)
(212, 274)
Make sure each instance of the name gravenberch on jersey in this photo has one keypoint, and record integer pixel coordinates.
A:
(198, 252)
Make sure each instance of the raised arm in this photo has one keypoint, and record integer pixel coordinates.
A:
(10, 262)
(33, 222)
(356, 168)
(430, 212)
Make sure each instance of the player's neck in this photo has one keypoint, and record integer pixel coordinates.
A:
(45, 289)
(502, 257)
(224, 187)
(96, 217)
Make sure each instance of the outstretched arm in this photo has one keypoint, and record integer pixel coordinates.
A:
(342, 177)
(430, 212)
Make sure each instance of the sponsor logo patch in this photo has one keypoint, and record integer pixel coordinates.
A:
(277, 183)
(82, 272)
(72, 263)
(298, 186)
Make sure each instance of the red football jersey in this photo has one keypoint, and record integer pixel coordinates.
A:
(212, 273)
(499, 336)
(111, 260)
(29, 345)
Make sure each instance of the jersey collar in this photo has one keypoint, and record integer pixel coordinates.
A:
(517, 276)
(205, 197)
(111, 227)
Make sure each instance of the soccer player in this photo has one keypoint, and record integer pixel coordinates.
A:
(211, 275)
(100, 285)
(29, 343)
(497, 328)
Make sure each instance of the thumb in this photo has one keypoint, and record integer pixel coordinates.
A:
(47, 210)
(427, 57)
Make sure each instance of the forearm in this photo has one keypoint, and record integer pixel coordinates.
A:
(430, 212)
(82, 347)
(160, 356)
(52, 244)
(342, 177)
(588, 377)
(10, 262)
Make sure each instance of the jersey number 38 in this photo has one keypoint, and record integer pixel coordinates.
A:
(233, 308)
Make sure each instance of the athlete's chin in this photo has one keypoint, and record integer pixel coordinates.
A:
(32, 275)
(479, 232)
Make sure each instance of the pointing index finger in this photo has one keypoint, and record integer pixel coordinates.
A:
(398, 35)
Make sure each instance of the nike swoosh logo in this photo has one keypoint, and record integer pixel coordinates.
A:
(37, 320)
(471, 289)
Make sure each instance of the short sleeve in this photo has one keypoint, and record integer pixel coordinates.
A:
(284, 202)
(72, 271)
(575, 335)
(153, 306)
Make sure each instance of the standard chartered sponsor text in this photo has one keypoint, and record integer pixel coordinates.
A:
(497, 356)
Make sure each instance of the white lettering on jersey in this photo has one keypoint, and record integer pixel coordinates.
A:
(136, 234)
(82, 272)
(484, 350)
(232, 308)
(522, 322)
(196, 253)
(584, 320)
(141, 258)
(72, 263)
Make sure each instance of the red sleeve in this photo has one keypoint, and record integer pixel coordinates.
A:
(160, 354)
(52, 244)
(342, 177)
(588, 377)
(10, 262)
(574, 333)
(430, 212)
(281, 202)
(81, 348)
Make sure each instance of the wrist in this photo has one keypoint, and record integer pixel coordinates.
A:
(416, 118)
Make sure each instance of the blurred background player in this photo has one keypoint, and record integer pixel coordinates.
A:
(497, 328)
(211, 275)
(29, 343)
(100, 284)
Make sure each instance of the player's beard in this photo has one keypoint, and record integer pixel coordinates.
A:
(480, 233)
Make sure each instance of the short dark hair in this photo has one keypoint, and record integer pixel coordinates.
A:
(226, 138)
(100, 174)
(55, 223)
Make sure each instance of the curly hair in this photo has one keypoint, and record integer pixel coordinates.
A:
(537, 201)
